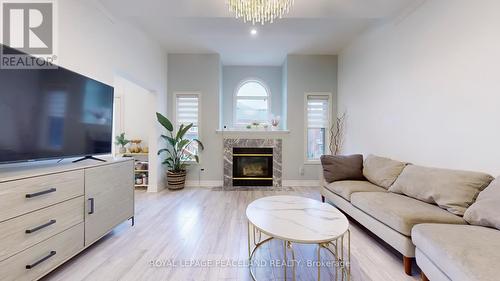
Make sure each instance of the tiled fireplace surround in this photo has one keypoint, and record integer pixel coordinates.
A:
(230, 143)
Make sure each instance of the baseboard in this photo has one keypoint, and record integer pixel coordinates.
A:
(288, 183)
(204, 183)
(301, 183)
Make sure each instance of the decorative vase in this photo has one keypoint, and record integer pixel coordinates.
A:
(275, 122)
(176, 180)
(122, 150)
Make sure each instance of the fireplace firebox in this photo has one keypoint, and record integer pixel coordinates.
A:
(252, 166)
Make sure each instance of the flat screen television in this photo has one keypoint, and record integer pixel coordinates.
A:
(53, 113)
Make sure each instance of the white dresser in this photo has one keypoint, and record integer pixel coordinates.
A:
(51, 212)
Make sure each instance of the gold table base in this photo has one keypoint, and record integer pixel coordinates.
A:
(335, 247)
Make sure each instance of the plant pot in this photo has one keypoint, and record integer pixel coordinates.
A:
(176, 180)
(122, 150)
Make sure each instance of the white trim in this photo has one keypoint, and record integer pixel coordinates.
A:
(235, 98)
(301, 183)
(234, 131)
(174, 119)
(204, 183)
(306, 122)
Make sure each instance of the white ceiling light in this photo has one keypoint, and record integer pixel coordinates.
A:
(259, 11)
(253, 31)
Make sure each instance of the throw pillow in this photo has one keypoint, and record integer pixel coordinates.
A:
(339, 167)
(451, 190)
(486, 210)
(382, 171)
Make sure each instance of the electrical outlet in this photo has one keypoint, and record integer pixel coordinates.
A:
(301, 170)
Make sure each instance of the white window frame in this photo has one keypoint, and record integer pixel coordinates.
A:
(236, 97)
(308, 161)
(176, 124)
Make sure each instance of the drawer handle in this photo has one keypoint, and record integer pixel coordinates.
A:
(51, 254)
(31, 195)
(91, 206)
(51, 222)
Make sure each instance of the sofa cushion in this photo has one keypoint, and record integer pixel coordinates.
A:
(345, 189)
(462, 252)
(452, 190)
(382, 171)
(486, 210)
(401, 213)
(340, 167)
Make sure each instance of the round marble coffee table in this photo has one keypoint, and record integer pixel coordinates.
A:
(294, 219)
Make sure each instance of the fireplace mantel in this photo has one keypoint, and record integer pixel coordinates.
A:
(253, 133)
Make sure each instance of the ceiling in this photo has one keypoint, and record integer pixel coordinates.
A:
(206, 26)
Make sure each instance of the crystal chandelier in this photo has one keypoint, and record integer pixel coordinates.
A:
(259, 11)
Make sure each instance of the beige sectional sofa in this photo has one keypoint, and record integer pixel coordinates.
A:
(399, 202)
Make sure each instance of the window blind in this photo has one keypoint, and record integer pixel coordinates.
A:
(318, 112)
(187, 110)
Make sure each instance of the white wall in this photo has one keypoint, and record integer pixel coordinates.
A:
(304, 74)
(232, 76)
(200, 73)
(427, 89)
(136, 113)
(95, 45)
(134, 117)
(284, 96)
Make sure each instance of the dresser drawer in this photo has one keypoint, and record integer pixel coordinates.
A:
(38, 260)
(26, 195)
(27, 230)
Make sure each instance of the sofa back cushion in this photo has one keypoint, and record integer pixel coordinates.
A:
(486, 210)
(339, 167)
(382, 171)
(452, 190)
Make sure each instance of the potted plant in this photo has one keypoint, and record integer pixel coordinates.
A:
(122, 142)
(178, 156)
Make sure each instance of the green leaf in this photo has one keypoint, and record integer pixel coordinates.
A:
(164, 122)
(170, 140)
(200, 144)
(121, 140)
(182, 144)
(169, 162)
(178, 136)
(182, 131)
(162, 150)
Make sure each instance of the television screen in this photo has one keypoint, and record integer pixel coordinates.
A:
(53, 113)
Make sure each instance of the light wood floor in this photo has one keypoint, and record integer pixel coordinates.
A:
(201, 225)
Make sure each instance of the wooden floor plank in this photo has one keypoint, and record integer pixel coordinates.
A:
(199, 225)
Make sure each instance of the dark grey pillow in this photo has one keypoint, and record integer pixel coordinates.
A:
(342, 167)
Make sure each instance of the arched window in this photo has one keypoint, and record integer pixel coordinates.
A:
(251, 103)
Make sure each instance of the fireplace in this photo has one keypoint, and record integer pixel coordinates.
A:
(252, 166)
(272, 167)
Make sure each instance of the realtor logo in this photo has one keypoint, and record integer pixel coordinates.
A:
(28, 26)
